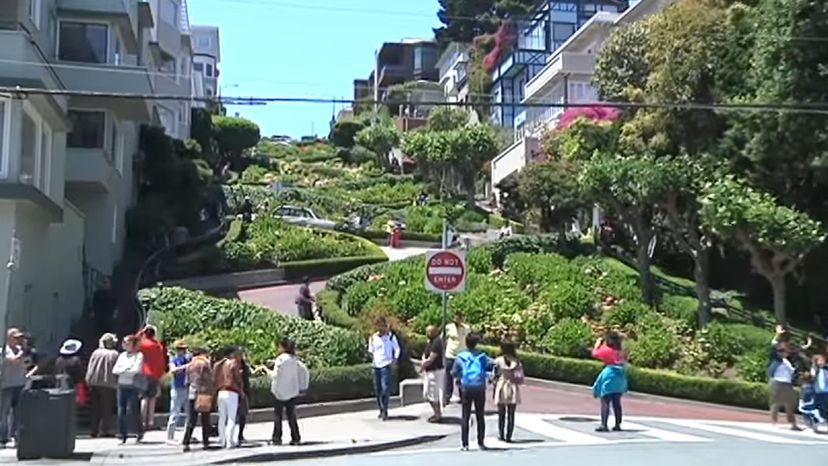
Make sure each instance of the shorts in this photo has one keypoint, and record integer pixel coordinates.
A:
(153, 388)
(433, 385)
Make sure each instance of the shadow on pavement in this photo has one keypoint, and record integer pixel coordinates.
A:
(403, 418)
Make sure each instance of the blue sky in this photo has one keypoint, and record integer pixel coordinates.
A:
(304, 48)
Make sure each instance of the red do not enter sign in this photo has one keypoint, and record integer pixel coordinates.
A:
(445, 271)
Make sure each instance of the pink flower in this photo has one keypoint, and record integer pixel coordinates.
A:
(597, 114)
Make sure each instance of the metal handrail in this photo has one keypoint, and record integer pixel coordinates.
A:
(139, 279)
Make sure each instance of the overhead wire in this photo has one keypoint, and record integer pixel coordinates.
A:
(800, 108)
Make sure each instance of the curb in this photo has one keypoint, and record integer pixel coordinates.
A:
(570, 387)
(302, 410)
(373, 447)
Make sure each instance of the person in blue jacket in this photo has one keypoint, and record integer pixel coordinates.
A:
(471, 370)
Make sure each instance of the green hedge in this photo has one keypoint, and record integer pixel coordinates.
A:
(656, 382)
(323, 268)
(406, 236)
(326, 384)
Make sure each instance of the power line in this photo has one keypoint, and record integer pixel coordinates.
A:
(799, 108)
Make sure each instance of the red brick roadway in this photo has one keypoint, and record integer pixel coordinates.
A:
(571, 399)
(553, 398)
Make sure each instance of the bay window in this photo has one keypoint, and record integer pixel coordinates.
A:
(83, 42)
(88, 129)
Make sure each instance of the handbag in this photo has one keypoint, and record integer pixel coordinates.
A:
(81, 394)
(140, 382)
(203, 403)
(518, 376)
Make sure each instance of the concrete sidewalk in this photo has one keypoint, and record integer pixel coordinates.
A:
(322, 436)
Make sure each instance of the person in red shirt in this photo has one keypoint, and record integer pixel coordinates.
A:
(155, 366)
(611, 383)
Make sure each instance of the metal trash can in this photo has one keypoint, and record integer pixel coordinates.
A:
(48, 418)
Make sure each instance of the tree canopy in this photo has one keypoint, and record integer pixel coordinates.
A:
(233, 136)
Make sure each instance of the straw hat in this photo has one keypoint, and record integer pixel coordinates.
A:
(70, 347)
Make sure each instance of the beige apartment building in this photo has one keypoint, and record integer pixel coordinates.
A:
(68, 165)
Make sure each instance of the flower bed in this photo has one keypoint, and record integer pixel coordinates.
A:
(556, 303)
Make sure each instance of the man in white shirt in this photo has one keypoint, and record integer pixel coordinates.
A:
(456, 333)
(385, 350)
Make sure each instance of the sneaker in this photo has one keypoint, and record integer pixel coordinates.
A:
(482, 446)
(601, 429)
(295, 443)
(464, 448)
(384, 416)
(616, 429)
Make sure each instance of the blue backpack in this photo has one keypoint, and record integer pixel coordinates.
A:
(474, 371)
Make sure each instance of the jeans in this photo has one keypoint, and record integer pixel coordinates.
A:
(820, 400)
(478, 399)
(613, 399)
(289, 408)
(101, 408)
(228, 406)
(178, 406)
(192, 417)
(506, 421)
(129, 412)
(382, 387)
(9, 415)
(449, 390)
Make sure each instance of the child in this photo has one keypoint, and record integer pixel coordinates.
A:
(508, 379)
(807, 403)
(820, 373)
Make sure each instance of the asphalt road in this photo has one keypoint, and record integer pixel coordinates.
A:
(542, 440)
(279, 298)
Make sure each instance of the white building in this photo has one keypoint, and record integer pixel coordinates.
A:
(67, 164)
(566, 78)
(207, 56)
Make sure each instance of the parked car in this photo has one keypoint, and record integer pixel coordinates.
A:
(303, 216)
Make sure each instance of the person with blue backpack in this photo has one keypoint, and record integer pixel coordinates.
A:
(471, 369)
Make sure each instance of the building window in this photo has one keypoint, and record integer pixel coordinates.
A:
(83, 42)
(209, 93)
(209, 70)
(45, 161)
(117, 53)
(113, 141)
(167, 120)
(29, 142)
(204, 42)
(184, 67)
(169, 12)
(198, 67)
(561, 32)
(34, 12)
(4, 135)
(115, 224)
(88, 129)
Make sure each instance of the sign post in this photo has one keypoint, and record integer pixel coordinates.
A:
(445, 273)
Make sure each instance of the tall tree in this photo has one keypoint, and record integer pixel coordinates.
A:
(464, 20)
(776, 237)
(630, 187)
(552, 188)
(380, 138)
(233, 136)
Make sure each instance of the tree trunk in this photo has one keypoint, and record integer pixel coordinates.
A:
(779, 287)
(643, 235)
(701, 272)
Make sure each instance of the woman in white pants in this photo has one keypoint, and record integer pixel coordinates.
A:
(229, 384)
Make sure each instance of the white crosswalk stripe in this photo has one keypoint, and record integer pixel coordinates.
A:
(550, 431)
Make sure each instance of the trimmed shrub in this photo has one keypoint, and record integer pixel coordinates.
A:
(681, 308)
(322, 268)
(721, 343)
(214, 322)
(654, 349)
(479, 260)
(568, 299)
(569, 337)
(626, 314)
(753, 366)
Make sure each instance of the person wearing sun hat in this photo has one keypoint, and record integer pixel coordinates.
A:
(70, 363)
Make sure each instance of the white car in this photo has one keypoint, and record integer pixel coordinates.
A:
(303, 216)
